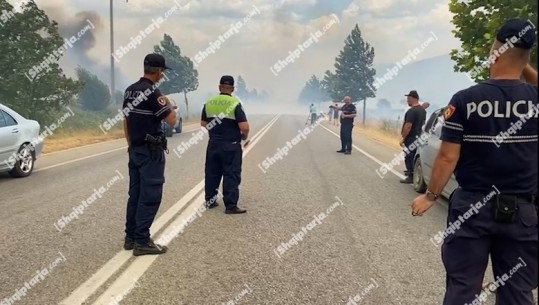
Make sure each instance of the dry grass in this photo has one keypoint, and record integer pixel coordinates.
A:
(67, 140)
(374, 131)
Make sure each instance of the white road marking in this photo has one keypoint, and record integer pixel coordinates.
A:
(141, 264)
(87, 157)
(367, 155)
(377, 161)
(88, 288)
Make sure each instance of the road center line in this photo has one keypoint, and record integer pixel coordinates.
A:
(375, 160)
(88, 288)
(367, 155)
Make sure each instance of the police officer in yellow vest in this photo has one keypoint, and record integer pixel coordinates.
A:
(227, 125)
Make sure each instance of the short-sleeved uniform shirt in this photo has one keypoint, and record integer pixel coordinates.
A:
(312, 109)
(144, 110)
(223, 113)
(496, 124)
(348, 109)
(416, 116)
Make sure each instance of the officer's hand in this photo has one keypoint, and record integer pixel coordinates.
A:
(401, 142)
(243, 137)
(420, 205)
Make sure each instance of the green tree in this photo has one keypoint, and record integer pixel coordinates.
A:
(28, 38)
(354, 69)
(183, 77)
(329, 87)
(476, 23)
(245, 94)
(241, 88)
(312, 92)
(96, 95)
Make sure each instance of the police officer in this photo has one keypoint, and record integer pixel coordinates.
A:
(348, 113)
(494, 158)
(227, 125)
(145, 107)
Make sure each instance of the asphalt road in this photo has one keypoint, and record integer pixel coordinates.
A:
(366, 244)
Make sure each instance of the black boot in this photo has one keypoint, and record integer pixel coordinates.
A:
(149, 249)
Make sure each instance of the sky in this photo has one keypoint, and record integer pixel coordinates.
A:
(275, 28)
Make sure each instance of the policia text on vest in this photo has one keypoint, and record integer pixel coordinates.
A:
(217, 120)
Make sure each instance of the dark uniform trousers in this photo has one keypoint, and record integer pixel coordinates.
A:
(409, 157)
(223, 160)
(146, 179)
(346, 136)
(465, 253)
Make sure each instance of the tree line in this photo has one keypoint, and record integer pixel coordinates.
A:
(354, 74)
(28, 36)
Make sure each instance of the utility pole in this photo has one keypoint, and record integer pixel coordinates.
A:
(112, 85)
(364, 110)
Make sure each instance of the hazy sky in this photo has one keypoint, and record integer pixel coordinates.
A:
(392, 27)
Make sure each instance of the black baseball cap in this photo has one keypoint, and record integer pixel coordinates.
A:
(413, 94)
(154, 60)
(523, 30)
(227, 80)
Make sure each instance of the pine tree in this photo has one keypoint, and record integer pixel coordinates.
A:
(312, 92)
(183, 77)
(354, 70)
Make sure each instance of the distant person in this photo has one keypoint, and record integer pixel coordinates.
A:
(330, 113)
(313, 114)
(425, 105)
(348, 113)
(336, 115)
(411, 129)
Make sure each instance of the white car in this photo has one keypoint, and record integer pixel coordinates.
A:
(20, 143)
(426, 154)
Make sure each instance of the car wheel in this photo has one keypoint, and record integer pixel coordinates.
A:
(179, 129)
(418, 180)
(25, 162)
(169, 132)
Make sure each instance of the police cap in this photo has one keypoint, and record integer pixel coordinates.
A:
(155, 61)
(227, 80)
(521, 33)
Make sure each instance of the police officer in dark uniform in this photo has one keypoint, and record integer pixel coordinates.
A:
(227, 125)
(489, 140)
(145, 107)
(348, 113)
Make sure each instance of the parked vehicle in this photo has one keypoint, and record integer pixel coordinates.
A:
(180, 113)
(426, 153)
(20, 143)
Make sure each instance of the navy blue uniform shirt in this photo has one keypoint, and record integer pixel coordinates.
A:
(225, 129)
(145, 110)
(496, 123)
(348, 109)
